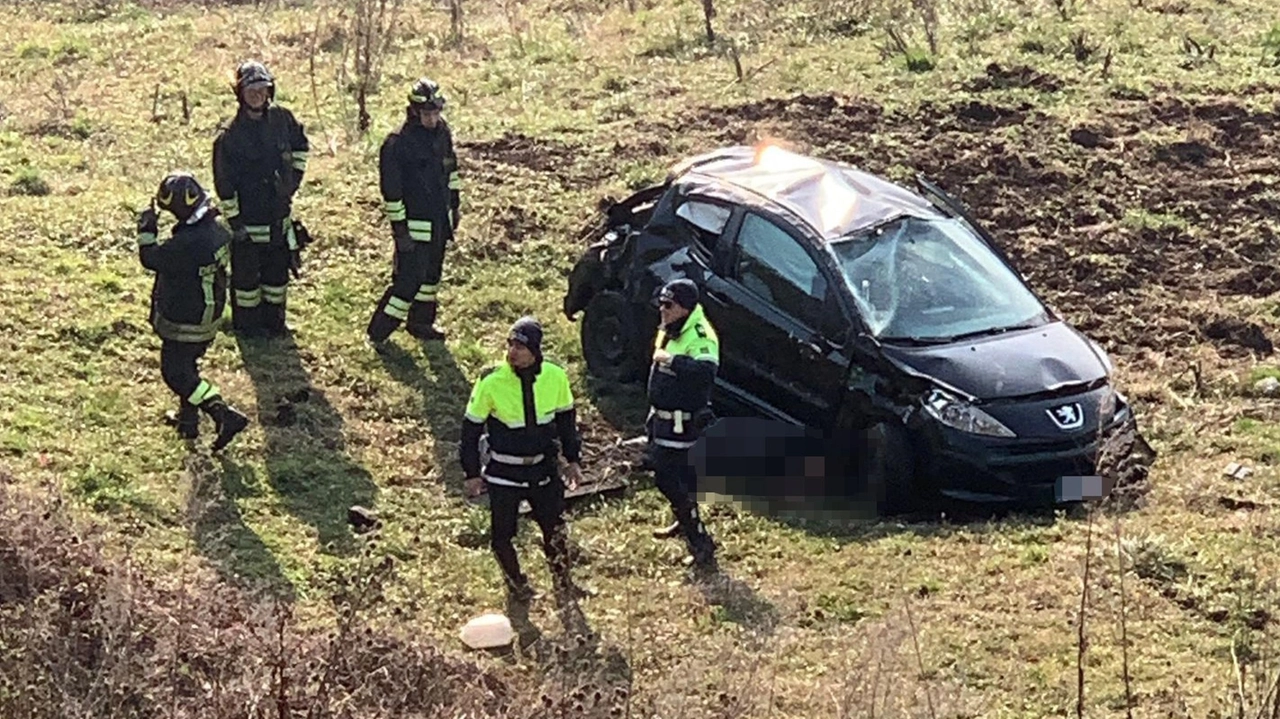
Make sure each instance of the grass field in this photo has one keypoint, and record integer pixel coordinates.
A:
(1124, 151)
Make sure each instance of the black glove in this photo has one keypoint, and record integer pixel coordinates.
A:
(456, 217)
(400, 230)
(295, 264)
(286, 185)
(238, 231)
(148, 220)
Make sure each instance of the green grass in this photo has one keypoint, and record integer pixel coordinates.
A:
(605, 98)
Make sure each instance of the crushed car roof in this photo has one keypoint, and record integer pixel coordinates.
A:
(835, 198)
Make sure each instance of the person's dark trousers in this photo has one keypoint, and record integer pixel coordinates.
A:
(407, 277)
(275, 288)
(180, 371)
(179, 367)
(246, 287)
(547, 505)
(423, 310)
(676, 478)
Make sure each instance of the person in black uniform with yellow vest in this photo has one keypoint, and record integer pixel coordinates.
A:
(524, 405)
(188, 300)
(420, 185)
(686, 358)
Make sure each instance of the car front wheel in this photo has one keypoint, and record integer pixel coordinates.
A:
(611, 341)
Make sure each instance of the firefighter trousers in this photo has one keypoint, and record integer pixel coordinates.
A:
(412, 297)
(677, 479)
(259, 286)
(547, 505)
(179, 367)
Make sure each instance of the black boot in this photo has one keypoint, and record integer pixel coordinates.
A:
(421, 324)
(381, 324)
(273, 324)
(246, 321)
(228, 420)
(186, 420)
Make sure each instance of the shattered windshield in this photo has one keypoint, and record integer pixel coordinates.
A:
(933, 280)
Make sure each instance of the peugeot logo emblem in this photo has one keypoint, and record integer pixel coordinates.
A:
(1068, 416)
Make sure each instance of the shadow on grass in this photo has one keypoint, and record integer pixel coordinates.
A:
(444, 391)
(306, 460)
(219, 531)
(580, 672)
(623, 406)
(849, 520)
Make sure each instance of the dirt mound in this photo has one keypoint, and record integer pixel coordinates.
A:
(1016, 77)
(491, 161)
(1257, 281)
(1235, 332)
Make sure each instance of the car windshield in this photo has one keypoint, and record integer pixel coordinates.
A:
(933, 280)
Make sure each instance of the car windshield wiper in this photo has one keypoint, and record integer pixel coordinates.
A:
(915, 341)
(992, 331)
(948, 339)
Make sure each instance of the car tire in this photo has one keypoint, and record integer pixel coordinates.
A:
(889, 469)
(611, 341)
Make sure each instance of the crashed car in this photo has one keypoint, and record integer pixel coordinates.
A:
(884, 317)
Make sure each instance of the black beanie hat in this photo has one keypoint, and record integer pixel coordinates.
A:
(528, 332)
(683, 292)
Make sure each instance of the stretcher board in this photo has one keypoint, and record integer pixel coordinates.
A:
(611, 486)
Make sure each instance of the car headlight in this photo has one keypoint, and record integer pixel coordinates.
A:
(963, 416)
(1106, 358)
(1107, 407)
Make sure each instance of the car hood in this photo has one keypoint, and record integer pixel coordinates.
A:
(1016, 364)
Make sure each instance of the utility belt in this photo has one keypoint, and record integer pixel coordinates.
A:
(677, 416)
(514, 459)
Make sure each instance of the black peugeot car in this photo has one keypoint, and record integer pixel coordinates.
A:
(886, 318)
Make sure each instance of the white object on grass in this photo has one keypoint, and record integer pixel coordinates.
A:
(488, 631)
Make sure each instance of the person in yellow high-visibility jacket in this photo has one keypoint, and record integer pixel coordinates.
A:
(686, 358)
(524, 405)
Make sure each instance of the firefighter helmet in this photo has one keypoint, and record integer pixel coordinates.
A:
(426, 94)
(181, 194)
(252, 73)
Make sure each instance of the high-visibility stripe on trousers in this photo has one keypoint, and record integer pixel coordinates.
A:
(397, 308)
(248, 298)
(426, 293)
(274, 295)
(205, 391)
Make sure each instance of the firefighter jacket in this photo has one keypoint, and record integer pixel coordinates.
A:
(190, 290)
(524, 412)
(258, 166)
(419, 181)
(680, 394)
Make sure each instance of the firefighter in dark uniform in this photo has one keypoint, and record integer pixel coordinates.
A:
(685, 361)
(188, 300)
(259, 161)
(524, 405)
(420, 186)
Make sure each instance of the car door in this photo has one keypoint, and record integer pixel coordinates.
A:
(711, 222)
(778, 298)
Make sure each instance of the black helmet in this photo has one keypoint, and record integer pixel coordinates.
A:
(181, 194)
(252, 73)
(426, 94)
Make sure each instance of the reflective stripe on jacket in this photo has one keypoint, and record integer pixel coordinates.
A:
(524, 413)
